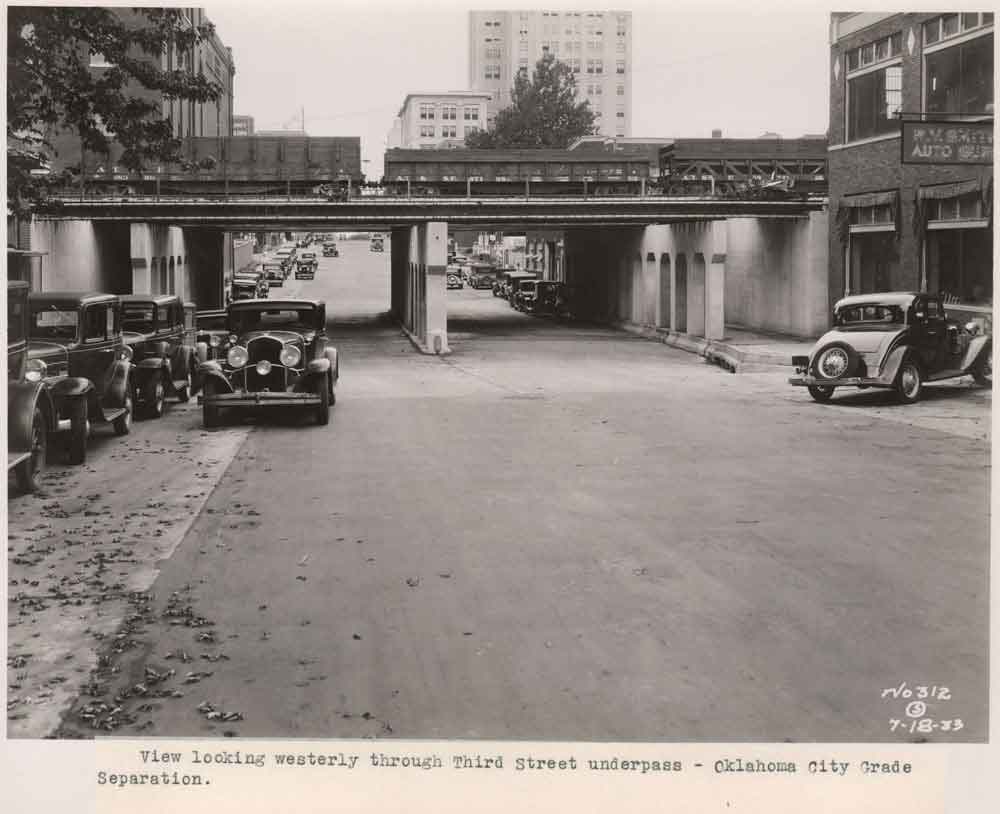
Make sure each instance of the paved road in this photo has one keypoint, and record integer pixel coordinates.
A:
(557, 532)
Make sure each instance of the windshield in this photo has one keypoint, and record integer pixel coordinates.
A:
(293, 319)
(54, 323)
(137, 318)
(16, 307)
(871, 315)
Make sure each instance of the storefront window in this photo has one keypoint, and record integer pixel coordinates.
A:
(874, 262)
(960, 265)
(960, 78)
(873, 101)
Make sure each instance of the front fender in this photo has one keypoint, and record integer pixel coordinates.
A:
(334, 357)
(201, 352)
(211, 372)
(977, 347)
(22, 399)
(70, 387)
(118, 384)
(318, 366)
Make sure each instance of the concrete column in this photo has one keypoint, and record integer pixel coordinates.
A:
(696, 295)
(142, 258)
(715, 284)
(399, 260)
(424, 303)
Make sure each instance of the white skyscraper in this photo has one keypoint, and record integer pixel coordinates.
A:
(596, 44)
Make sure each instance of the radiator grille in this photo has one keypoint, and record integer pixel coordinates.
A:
(265, 347)
(273, 381)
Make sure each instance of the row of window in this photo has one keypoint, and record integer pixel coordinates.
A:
(447, 131)
(569, 47)
(958, 81)
(449, 112)
(951, 25)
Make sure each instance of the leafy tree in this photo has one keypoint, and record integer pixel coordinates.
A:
(543, 112)
(51, 87)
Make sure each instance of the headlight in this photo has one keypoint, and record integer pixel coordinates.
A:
(233, 339)
(237, 356)
(290, 356)
(832, 363)
(125, 353)
(34, 370)
(215, 340)
(973, 327)
(263, 367)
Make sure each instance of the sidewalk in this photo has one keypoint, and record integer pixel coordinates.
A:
(740, 351)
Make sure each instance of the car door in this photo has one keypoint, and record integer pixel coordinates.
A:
(930, 334)
(94, 356)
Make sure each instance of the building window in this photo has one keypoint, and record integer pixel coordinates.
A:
(493, 52)
(426, 131)
(471, 114)
(951, 25)
(427, 112)
(522, 47)
(449, 112)
(620, 66)
(590, 66)
(873, 100)
(492, 71)
(960, 78)
(620, 90)
(873, 52)
(574, 65)
(598, 66)
(449, 131)
(620, 114)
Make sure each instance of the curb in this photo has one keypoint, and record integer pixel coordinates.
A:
(713, 351)
(420, 346)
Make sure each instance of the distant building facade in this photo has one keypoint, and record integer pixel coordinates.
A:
(438, 119)
(243, 125)
(282, 134)
(597, 45)
(897, 83)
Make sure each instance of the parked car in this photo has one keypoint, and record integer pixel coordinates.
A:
(274, 274)
(75, 345)
(453, 280)
(377, 244)
(285, 256)
(31, 414)
(481, 275)
(161, 333)
(212, 334)
(305, 268)
(896, 341)
(526, 296)
(280, 358)
(514, 281)
(330, 250)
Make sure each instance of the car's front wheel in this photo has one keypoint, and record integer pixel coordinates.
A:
(910, 382)
(983, 371)
(76, 448)
(28, 472)
(153, 396)
(821, 394)
(123, 424)
(323, 408)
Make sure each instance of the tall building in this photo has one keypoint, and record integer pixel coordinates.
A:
(438, 119)
(596, 44)
(242, 125)
(911, 156)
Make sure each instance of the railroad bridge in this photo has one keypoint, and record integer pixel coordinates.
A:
(688, 264)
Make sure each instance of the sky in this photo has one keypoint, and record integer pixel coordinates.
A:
(741, 67)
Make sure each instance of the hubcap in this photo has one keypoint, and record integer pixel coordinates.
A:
(128, 411)
(159, 395)
(37, 448)
(910, 380)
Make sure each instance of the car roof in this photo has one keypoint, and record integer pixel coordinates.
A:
(243, 305)
(157, 299)
(70, 297)
(902, 298)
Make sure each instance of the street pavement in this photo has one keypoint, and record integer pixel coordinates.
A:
(557, 532)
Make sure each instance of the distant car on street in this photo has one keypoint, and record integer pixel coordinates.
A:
(454, 281)
(330, 250)
(305, 268)
(895, 341)
(274, 274)
(280, 357)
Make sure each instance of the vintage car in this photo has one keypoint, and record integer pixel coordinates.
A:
(76, 347)
(274, 274)
(305, 268)
(896, 341)
(526, 295)
(31, 415)
(212, 335)
(330, 250)
(278, 356)
(377, 245)
(285, 256)
(453, 280)
(481, 275)
(514, 282)
(161, 333)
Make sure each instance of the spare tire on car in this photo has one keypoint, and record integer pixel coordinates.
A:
(838, 360)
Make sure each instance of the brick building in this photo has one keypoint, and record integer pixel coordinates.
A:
(895, 224)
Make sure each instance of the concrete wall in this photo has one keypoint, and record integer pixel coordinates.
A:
(699, 276)
(776, 274)
(83, 256)
(417, 290)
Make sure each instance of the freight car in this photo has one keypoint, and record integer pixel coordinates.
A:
(733, 167)
(241, 165)
(454, 172)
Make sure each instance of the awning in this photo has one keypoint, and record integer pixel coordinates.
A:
(941, 192)
(869, 199)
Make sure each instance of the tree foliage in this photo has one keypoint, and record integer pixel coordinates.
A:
(543, 111)
(52, 88)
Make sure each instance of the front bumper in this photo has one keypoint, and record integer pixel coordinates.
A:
(266, 398)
